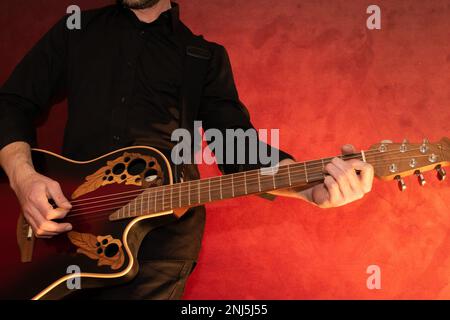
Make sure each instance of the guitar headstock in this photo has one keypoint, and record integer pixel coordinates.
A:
(394, 161)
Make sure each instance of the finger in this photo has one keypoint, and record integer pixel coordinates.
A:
(47, 210)
(340, 176)
(37, 220)
(334, 192)
(350, 174)
(31, 221)
(55, 192)
(366, 173)
(47, 225)
(51, 226)
(348, 149)
(56, 214)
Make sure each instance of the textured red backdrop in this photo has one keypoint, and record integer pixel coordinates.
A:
(312, 69)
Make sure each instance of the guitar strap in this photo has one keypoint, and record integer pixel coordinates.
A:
(196, 56)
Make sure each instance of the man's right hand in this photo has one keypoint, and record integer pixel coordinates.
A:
(33, 191)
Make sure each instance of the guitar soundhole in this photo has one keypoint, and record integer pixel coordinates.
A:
(118, 168)
(136, 167)
(111, 250)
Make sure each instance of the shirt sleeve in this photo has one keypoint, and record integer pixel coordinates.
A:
(221, 109)
(33, 85)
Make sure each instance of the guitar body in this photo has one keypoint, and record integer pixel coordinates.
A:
(97, 252)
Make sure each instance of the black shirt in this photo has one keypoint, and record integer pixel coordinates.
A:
(122, 80)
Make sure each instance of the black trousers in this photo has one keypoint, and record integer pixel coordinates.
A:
(156, 280)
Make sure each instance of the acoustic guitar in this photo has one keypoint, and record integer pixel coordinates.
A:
(121, 196)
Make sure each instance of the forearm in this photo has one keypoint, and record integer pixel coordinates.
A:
(15, 159)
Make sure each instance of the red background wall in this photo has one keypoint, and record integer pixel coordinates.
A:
(312, 69)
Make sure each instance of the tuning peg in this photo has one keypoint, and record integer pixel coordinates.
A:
(401, 183)
(404, 146)
(441, 174)
(424, 147)
(421, 178)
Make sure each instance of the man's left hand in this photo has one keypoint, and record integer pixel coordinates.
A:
(341, 186)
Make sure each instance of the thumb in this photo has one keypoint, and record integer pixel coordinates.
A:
(348, 149)
(57, 195)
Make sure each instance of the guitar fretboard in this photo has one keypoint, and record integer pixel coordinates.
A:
(202, 191)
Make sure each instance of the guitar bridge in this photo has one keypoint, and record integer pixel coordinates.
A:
(25, 239)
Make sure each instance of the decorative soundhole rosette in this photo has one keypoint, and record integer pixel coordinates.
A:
(107, 250)
(130, 168)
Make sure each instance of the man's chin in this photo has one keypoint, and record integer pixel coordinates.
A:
(138, 4)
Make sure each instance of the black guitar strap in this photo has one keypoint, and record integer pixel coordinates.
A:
(197, 57)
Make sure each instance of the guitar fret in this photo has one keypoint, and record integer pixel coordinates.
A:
(306, 172)
(171, 197)
(289, 175)
(189, 192)
(245, 182)
(148, 201)
(273, 178)
(259, 181)
(199, 200)
(163, 202)
(209, 189)
(156, 196)
(232, 184)
(220, 185)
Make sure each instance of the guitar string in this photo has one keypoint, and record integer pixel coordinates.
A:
(163, 203)
(101, 213)
(197, 187)
(311, 164)
(245, 180)
(225, 178)
(193, 185)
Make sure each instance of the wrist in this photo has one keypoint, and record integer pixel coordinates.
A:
(19, 173)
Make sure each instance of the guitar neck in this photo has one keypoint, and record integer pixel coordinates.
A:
(197, 192)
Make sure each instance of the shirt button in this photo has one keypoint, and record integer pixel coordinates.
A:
(142, 33)
(116, 138)
(123, 100)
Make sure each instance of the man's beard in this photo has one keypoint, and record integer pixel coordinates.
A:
(138, 4)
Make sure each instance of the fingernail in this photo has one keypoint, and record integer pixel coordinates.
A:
(68, 228)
